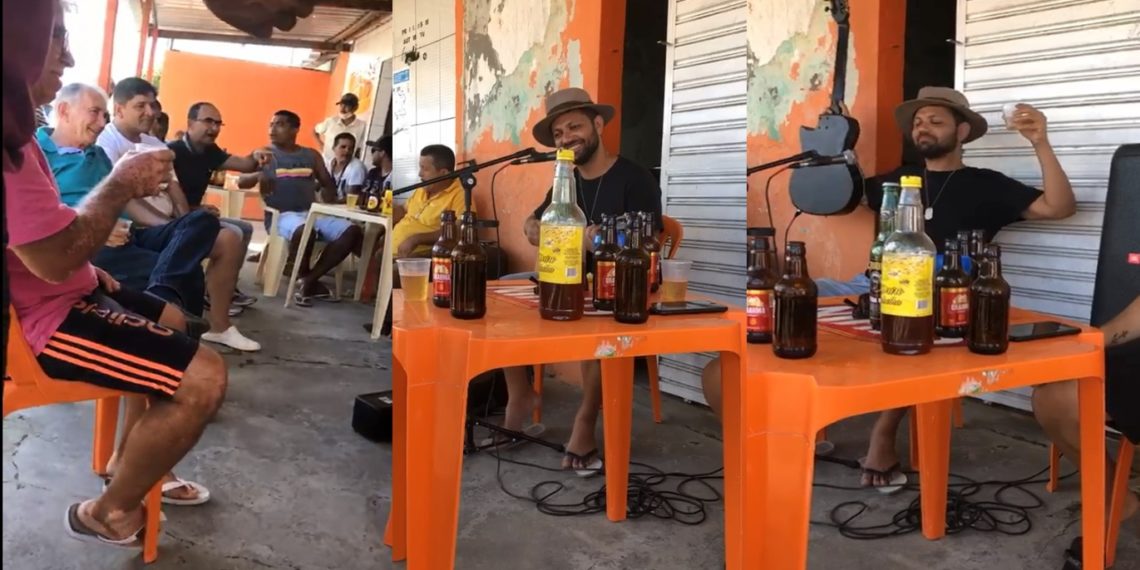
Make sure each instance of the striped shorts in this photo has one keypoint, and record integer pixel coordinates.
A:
(113, 340)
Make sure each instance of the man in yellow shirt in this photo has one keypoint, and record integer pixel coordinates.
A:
(418, 221)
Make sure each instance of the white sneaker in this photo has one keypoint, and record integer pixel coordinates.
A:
(233, 339)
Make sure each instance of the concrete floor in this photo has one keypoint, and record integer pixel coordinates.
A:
(295, 488)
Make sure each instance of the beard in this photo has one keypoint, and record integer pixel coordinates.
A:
(933, 147)
(589, 147)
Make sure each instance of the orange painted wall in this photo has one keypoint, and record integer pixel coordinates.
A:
(837, 246)
(598, 28)
(247, 94)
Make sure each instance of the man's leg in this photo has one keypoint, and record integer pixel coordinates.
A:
(710, 382)
(102, 343)
(245, 230)
(521, 399)
(132, 266)
(343, 239)
(583, 438)
(182, 245)
(1056, 408)
(225, 262)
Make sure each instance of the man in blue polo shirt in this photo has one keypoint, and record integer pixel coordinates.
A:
(166, 260)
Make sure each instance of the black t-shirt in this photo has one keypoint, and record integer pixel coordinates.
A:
(194, 169)
(625, 187)
(965, 199)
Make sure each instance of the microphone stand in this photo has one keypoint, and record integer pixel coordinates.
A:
(794, 158)
(466, 175)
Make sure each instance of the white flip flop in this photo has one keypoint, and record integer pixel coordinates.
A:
(594, 467)
(203, 493)
(898, 479)
(77, 530)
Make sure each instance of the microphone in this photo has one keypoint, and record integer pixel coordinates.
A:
(535, 158)
(848, 157)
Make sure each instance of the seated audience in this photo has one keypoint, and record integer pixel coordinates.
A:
(346, 170)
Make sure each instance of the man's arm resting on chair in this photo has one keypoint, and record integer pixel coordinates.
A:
(1125, 327)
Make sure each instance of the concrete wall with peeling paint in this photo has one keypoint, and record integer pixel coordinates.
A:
(791, 56)
(511, 53)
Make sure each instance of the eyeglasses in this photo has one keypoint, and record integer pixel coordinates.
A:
(211, 123)
(59, 34)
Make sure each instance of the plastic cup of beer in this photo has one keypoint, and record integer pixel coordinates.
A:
(674, 280)
(350, 200)
(1007, 112)
(414, 278)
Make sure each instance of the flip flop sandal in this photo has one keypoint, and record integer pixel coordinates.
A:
(81, 532)
(202, 498)
(503, 442)
(302, 300)
(824, 448)
(326, 295)
(1073, 556)
(590, 459)
(897, 478)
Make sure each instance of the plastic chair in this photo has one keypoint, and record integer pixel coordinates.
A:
(272, 262)
(26, 386)
(670, 241)
(1124, 457)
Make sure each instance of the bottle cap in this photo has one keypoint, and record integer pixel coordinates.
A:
(911, 181)
(565, 154)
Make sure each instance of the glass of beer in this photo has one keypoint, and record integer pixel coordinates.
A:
(414, 278)
(674, 280)
(350, 200)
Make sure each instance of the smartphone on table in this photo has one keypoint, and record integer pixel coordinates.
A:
(1044, 329)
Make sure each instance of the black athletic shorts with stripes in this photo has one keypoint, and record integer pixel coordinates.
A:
(114, 340)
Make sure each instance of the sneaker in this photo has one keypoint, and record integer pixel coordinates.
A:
(242, 300)
(233, 339)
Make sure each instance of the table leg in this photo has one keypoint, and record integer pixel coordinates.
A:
(436, 405)
(934, 464)
(305, 235)
(734, 435)
(1091, 396)
(384, 289)
(617, 406)
(395, 532)
(371, 231)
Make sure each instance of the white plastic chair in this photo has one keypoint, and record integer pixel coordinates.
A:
(276, 254)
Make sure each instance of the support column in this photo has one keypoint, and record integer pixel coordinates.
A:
(108, 44)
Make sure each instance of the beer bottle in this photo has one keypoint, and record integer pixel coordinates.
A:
(441, 260)
(560, 247)
(989, 306)
(767, 235)
(968, 263)
(977, 249)
(762, 280)
(631, 299)
(875, 267)
(605, 263)
(371, 200)
(653, 247)
(951, 295)
(468, 273)
(797, 300)
(907, 300)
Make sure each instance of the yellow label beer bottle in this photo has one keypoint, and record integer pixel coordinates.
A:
(907, 299)
(560, 247)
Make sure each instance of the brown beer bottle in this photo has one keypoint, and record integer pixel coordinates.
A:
(797, 300)
(441, 260)
(762, 280)
(989, 306)
(652, 246)
(977, 249)
(907, 290)
(631, 300)
(370, 201)
(605, 266)
(468, 273)
(561, 249)
(951, 295)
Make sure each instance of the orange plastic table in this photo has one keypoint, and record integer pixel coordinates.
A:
(792, 399)
(434, 358)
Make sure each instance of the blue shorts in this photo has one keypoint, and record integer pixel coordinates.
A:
(328, 228)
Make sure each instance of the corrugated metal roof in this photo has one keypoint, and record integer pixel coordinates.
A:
(192, 16)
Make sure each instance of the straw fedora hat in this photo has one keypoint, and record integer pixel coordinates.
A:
(562, 101)
(942, 97)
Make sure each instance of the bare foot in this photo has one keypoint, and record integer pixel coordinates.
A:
(582, 442)
(113, 525)
(519, 411)
(881, 456)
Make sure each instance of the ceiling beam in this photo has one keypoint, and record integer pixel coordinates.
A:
(378, 5)
(247, 39)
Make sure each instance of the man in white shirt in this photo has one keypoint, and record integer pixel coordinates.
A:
(346, 170)
(132, 119)
(344, 122)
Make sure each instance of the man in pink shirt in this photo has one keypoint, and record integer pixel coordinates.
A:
(84, 327)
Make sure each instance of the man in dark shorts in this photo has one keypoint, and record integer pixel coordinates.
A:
(1057, 410)
(83, 327)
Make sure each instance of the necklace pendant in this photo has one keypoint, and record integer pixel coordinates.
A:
(928, 214)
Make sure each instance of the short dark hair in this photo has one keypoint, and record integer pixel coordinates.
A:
(351, 138)
(384, 143)
(441, 156)
(130, 88)
(192, 114)
(290, 117)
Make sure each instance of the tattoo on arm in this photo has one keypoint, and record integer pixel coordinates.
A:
(1118, 337)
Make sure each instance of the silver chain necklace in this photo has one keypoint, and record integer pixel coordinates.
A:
(597, 195)
(929, 213)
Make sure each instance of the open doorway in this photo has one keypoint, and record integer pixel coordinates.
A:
(643, 83)
(931, 27)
